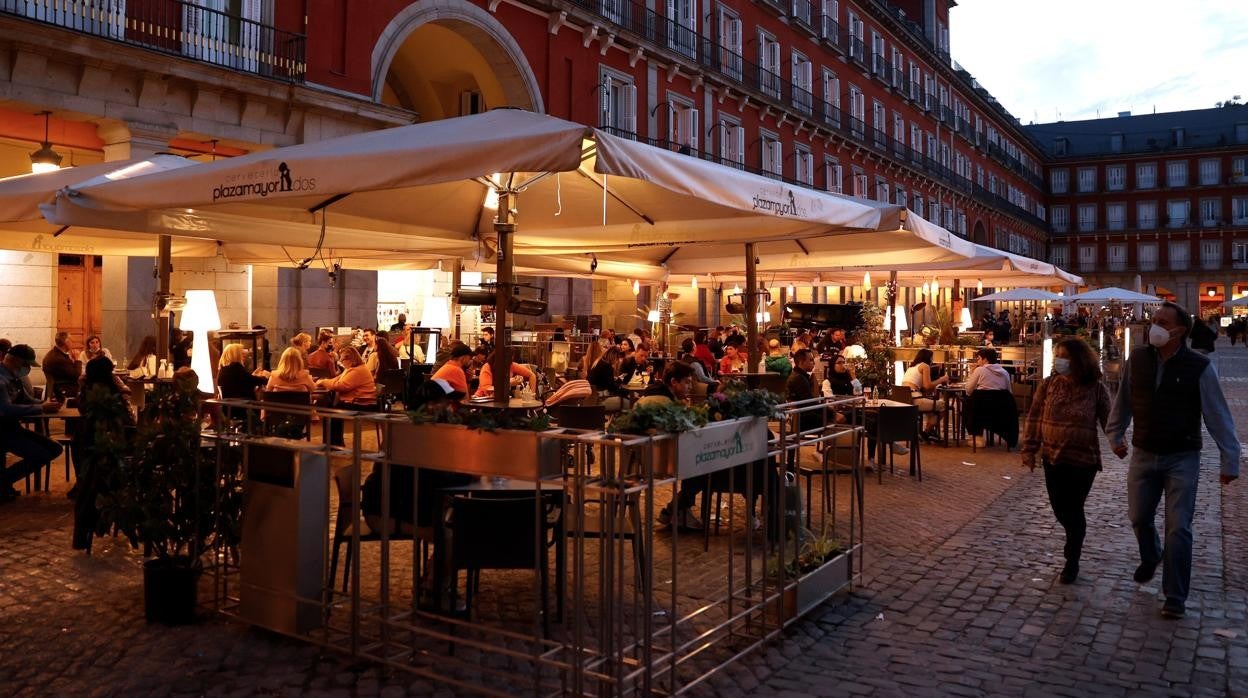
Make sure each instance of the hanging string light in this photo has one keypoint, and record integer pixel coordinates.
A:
(636, 287)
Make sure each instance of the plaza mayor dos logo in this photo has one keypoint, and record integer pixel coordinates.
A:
(261, 183)
(780, 202)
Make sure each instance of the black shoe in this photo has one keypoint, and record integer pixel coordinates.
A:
(8, 494)
(1144, 573)
(1069, 573)
(1173, 609)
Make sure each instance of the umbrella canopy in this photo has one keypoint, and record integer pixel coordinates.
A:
(1113, 293)
(1020, 294)
(22, 226)
(426, 188)
(1242, 300)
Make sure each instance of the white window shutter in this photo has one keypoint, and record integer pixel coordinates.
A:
(628, 108)
(693, 129)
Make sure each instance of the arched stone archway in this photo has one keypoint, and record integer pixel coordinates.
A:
(980, 233)
(444, 58)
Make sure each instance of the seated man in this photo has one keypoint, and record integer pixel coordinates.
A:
(61, 368)
(35, 450)
(990, 380)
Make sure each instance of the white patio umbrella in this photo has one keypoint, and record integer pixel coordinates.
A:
(1112, 294)
(22, 225)
(1242, 300)
(1020, 294)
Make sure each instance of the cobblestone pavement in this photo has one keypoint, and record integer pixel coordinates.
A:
(959, 598)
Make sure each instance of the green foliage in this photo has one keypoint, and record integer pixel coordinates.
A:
(658, 417)
(876, 368)
(735, 402)
(817, 550)
(482, 420)
(166, 497)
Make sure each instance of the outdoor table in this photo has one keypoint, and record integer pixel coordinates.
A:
(41, 422)
(634, 391)
(955, 396)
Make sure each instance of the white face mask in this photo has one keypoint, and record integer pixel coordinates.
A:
(1061, 365)
(1158, 336)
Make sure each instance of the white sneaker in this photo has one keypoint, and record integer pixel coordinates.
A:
(900, 449)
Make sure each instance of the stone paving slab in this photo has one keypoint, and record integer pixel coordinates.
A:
(959, 598)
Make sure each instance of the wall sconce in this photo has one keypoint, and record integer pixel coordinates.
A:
(979, 285)
(693, 282)
(45, 159)
(927, 289)
(935, 287)
(636, 288)
(866, 281)
(200, 317)
(1212, 293)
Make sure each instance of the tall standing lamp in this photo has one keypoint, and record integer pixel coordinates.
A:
(200, 317)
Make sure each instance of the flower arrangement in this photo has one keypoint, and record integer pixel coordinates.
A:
(659, 417)
(735, 402)
(482, 420)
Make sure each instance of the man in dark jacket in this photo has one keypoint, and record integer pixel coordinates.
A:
(1203, 336)
(61, 368)
(34, 449)
(1166, 389)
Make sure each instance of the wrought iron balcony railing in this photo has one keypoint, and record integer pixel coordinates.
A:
(178, 28)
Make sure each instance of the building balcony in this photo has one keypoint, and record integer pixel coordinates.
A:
(831, 31)
(802, 15)
(177, 28)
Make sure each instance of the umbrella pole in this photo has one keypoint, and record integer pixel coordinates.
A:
(164, 318)
(504, 227)
(751, 310)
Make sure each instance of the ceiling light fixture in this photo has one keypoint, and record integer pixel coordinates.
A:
(45, 159)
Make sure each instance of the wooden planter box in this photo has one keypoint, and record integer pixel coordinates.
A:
(525, 455)
(716, 446)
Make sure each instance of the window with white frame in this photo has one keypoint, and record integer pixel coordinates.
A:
(1176, 173)
(804, 166)
(1087, 217)
(769, 64)
(831, 21)
(1116, 177)
(1087, 257)
(1059, 255)
(1146, 175)
(979, 175)
(1146, 215)
(916, 140)
(1210, 254)
(1210, 212)
(918, 205)
(1087, 179)
(1146, 256)
(1116, 256)
(901, 198)
(1059, 180)
(1239, 253)
(1239, 169)
(879, 121)
(801, 12)
(860, 184)
(618, 108)
(961, 221)
(772, 155)
(929, 92)
(897, 68)
(899, 129)
(1239, 210)
(946, 216)
(832, 176)
(877, 53)
(1177, 210)
(831, 98)
(730, 42)
(856, 30)
(731, 141)
(881, 190)
(1179, 257)
(803, 78)
(685, 126)
(1116, 216)
(915, 80)
(857, 110)
(613, 9)
(683, 33)
(1210, 171)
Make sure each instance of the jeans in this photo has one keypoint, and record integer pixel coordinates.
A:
(1175, 474)
(34, 450)
(1068, 488)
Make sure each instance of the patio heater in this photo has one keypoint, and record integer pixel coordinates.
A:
(200, 317)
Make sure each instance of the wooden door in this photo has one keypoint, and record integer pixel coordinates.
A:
(78, 308)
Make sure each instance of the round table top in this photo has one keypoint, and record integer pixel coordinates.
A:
(515, 403)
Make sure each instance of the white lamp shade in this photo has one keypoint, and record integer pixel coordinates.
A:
(436, 313)
(653, 316)
(636, 287)
(900, 316)
(965, 319)
(200, 312)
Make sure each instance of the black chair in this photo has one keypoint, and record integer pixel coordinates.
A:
(348, 520)
(289, 425)
(489, 533)
(993, 412)
(580, 416)
(897, 423)
(391, 388)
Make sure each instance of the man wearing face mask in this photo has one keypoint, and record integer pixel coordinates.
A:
(1166, 389)
(34, 450)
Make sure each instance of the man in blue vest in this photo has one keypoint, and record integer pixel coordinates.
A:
(1166, 389)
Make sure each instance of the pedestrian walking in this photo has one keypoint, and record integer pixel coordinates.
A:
(1166, 389)
(1061, 428)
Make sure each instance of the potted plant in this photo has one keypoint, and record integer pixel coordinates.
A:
(505, 443)
(872, 365)
(166, 499)
(817, 569)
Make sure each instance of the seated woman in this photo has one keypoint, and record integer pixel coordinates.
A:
(485, 384)
(700, 375)
(919, 379)
(354, 390)
(384, 357)
(291, 374)
(143, 363)
(233, 378)
(604, 378)
(94, 349)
